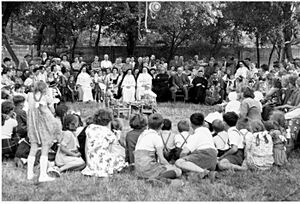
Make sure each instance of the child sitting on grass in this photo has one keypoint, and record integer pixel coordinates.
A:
(181, 138)
(167, 139)
(149, 158)
(68, 157)
(220, 137)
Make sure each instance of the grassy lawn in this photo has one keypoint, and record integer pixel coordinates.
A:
(276, 184)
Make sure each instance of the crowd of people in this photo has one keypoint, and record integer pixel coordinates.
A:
(256, 123)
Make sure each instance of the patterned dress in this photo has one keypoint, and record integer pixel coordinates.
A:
(104, 155)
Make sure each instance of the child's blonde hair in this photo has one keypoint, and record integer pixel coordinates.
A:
(183, 125)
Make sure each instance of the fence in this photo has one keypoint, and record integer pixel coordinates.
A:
(88, 53)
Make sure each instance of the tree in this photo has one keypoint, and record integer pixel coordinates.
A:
(180, 22)
(8, 8)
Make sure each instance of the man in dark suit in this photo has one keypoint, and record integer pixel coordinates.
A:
(180, 81)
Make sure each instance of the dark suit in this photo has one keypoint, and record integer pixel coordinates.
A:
(180, 82)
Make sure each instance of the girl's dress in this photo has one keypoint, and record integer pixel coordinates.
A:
(43, 127)
(103, 155)
(279, 151)
(70, 141)
(259, 150)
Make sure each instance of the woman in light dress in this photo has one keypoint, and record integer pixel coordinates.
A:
(128, 87)
(84, 82)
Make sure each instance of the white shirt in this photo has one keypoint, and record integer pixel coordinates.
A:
(201, 139)
(233, 106)
(28, 82)
(149, 140)
(242, 71)
(236, 138)
(106, 64)
(221, 141)
(179, 139)
(7, 128)
(168, 138)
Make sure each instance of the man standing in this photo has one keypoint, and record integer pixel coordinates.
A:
(180, 82)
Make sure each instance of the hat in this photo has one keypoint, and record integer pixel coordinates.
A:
(27, 55)
(213, 116)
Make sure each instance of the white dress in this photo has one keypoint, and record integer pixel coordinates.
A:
(128, 91)
(144, 79)
(85, 81)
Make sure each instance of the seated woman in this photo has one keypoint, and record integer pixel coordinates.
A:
(249, 106)
(149, 158)
(68, 157)
(144, 81)
(101, 161)
(128, 87)
(259, 148)
(138, 123)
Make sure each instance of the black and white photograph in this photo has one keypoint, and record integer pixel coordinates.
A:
(150, 101)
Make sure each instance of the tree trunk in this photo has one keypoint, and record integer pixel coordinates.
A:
(100, 27)
(257, 49)
(74, 46)
(288, 29)
(40, 39)
(131, 43)
(7, 9)
(9, 49)
(271, 54)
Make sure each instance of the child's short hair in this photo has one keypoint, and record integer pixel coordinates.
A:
(7, 107)
(18, 99)
(218, 125)
(197, 119)
(155, 121)
(257, 126)
(243, 123)
(183, 125)
(138, 121)
(167, 124)
(68, 119)
(230, 118)
(116, 124)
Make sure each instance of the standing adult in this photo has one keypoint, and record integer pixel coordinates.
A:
(76, 65)
(65, 62)
(249, 106)
(25, 64)
(96, 65)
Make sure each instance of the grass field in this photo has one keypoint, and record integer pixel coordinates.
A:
(276, 184)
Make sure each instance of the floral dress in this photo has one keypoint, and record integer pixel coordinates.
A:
(104, 155)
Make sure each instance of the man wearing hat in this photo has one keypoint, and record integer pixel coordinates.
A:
(25, 64)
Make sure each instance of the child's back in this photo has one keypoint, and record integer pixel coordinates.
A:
(221, 141)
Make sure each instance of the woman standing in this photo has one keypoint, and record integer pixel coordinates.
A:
(65, 62)
(84, 82)
(96, 64)
(43, 129)
(101, 159)
(144, 82)
(128, 87)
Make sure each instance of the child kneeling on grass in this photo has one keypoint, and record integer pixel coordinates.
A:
(68, 157)
(150, 144)
(199, 156)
